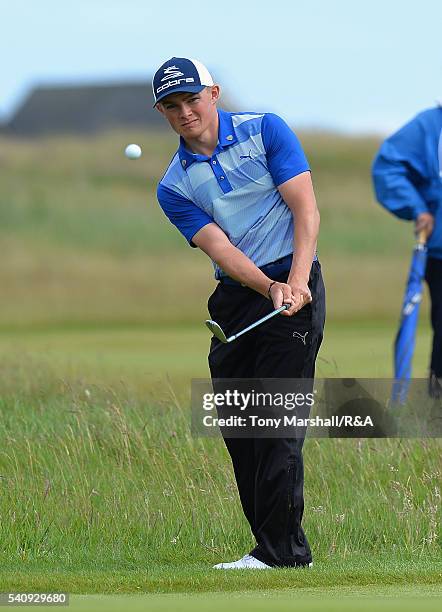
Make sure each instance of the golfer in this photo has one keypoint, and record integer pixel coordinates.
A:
(407, 175)
(239, 188)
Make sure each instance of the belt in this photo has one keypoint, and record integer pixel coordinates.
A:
(271, 269)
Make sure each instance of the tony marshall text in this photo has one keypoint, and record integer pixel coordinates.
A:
(254, 420)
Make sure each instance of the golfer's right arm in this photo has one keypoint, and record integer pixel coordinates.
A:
(214, 242)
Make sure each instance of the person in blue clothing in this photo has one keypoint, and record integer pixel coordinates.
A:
(239, 188)
(407, 176)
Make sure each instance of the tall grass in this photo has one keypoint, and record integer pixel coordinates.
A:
(94, 478)
(107, 475)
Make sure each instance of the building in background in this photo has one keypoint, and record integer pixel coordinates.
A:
(84, 109)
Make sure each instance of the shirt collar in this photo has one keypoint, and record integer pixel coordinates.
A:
(226, 137)
(226, 132)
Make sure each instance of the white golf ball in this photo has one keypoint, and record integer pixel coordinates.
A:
(133, 151)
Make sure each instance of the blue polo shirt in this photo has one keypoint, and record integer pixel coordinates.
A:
(236, 187)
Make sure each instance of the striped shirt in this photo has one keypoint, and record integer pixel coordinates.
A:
(236, 187)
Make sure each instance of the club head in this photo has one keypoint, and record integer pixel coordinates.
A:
(216, 330)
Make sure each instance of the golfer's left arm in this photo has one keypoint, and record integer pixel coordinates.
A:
(299, 196)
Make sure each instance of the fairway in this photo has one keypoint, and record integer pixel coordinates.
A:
(146, 356)
(335, 600)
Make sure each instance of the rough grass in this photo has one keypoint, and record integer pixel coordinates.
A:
(92, 479)
(102, 488)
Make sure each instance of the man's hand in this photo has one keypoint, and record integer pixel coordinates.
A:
(300, 292)
(424, 223)
(296, 294)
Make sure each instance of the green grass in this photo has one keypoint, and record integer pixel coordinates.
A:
(365, 600)
(145, 356)
(102, 487)
(107, 479)
(85, 240)
(105, 490)
(360, 577)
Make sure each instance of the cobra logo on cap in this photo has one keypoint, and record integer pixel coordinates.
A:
(174, 83)
(172, 72)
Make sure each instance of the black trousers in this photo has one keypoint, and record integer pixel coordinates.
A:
(269, 471)
(434, 280)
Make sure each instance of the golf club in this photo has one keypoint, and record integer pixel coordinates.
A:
(218, 332)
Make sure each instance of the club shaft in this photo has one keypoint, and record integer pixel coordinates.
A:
(256, 323)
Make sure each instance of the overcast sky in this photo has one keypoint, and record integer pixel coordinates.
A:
(355, 66)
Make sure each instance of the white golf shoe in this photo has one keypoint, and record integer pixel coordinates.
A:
(247, 562)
